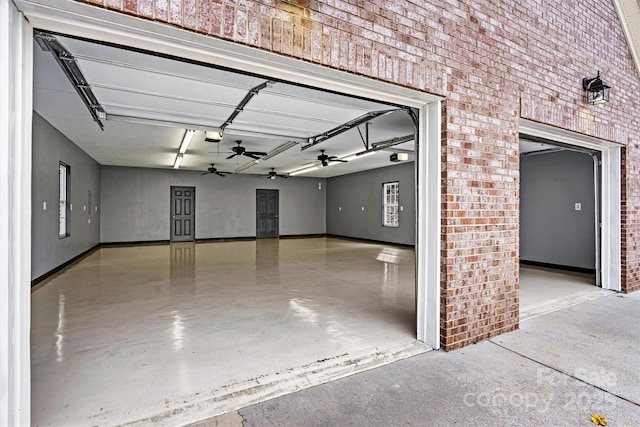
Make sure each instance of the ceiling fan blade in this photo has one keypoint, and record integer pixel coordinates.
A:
(255, 153)
(204, 173)
(220, 174)
(232, 156)
(252, 156)
(340, 160)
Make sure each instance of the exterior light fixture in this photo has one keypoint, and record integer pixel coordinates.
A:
(596, 90)
(213, 136)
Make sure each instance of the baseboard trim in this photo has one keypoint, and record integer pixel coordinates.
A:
(35, 282)
(226, 239)
(558, 266)
(134, 243)
(302, 236)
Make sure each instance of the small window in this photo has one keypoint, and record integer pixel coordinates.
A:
(64, 216)
(390, 208)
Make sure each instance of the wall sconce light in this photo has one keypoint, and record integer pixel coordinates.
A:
(596, 90)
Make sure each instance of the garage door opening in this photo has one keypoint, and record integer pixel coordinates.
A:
(561, 210)
(214, 309)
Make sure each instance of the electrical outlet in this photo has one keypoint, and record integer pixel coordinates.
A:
(363, 209)
(578, 206)
(44, 206)
(401, 208)
(339, 208)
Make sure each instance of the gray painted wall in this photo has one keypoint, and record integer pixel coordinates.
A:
(136, 204)
(50, 147)
(352, 192)
(551, 230)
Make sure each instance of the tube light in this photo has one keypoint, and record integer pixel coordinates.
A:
(178, 161)
(186, 140)
(304, 170)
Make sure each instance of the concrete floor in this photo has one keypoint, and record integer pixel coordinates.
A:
(167, 335)
(173, 334)
(557, 370)
(544, 290)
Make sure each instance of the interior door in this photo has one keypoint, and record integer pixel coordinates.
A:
(183, 203)
(267, 222)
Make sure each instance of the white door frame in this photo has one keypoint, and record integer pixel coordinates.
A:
(16, 68)
(610, 218)
(83, 20)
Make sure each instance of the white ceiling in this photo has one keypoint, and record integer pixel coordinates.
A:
(134, 84)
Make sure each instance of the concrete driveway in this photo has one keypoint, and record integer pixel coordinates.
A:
(557, 370)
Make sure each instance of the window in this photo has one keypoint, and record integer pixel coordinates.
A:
(63, 217)
(390, 192)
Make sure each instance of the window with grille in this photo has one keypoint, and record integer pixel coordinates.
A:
(63, 217)
(390, 204)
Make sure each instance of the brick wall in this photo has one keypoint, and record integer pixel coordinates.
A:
(494, 61)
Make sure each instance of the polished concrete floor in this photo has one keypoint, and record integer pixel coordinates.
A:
(544, 290)
(168, 335)
(556, 370)
(176, 333)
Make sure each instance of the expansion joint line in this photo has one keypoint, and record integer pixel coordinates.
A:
(560, 371)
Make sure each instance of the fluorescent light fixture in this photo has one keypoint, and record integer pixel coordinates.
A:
(178, 161)
(358, 155)
(186, 140)
(304, 170)
(213, 135)
(278, 150)
(246, 166)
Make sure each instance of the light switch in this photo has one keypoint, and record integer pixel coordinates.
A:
(84, 207)
(401, 208)
(340, 208)
(363, 209)
(89, 219)
(578, 206)
(70, 207)
(44, 206)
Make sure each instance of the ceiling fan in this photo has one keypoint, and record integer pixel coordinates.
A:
(325, 159)
(273, 174)
(214, 170)
(241, 151)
